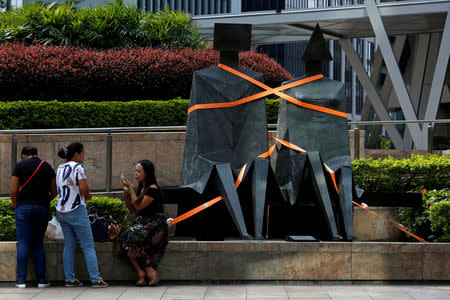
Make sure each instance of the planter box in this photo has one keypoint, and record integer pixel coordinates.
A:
(261, 260)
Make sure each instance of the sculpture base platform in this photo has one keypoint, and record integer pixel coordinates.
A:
(260, 260)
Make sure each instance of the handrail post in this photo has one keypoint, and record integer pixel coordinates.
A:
(356, 141)
(13, 151)
(109, 161)
(430, 137)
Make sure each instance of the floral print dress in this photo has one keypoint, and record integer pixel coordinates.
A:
(148, 237)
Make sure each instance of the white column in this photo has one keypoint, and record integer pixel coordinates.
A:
(236, 6)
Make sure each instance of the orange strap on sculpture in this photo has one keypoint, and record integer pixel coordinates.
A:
(268, 153)
(277, 92)
(297, 148)
(207, 204)
(255, 96)
(217, 199)
(393, 223)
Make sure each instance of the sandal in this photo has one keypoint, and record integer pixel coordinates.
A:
(155, 283)
(141, 281)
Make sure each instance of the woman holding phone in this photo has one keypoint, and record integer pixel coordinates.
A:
(147, 239)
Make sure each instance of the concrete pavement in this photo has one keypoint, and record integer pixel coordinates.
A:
(244, 291)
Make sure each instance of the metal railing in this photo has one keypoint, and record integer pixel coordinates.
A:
(111, 130)
(398, 122)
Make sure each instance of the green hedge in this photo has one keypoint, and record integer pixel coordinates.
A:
(7, 221)
(104, 206)
(54, 114)
(432, 221)
(402, 175)
(7, 228)
(6, 208)
(99, 205)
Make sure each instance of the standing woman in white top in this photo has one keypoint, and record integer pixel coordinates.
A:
(71, 211)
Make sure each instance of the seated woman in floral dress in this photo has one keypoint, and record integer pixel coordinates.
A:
(147, 239)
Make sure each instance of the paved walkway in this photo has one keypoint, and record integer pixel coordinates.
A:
(266, 291)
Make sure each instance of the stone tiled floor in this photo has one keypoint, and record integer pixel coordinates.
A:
(265, 291)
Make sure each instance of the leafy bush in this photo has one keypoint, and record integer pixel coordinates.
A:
(69, 73)
(115, 24)
(7, 228)
(98, 205)
(54, 114)
(439, 216)
(402, 175)
(432, 221)
(6, 208)
(104, 206)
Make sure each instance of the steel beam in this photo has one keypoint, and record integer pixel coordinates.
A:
(394, 72)
(439, 73)
(418, 70)
(324, 14)
(309, 30)
(377, 103)
(376, 66)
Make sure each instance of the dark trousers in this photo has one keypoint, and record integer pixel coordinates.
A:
(31, 223)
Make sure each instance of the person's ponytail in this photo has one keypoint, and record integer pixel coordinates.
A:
(63, 152)
(69, 151)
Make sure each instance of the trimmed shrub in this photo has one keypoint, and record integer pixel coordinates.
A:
(54, 114)
(432, 221)
(104, 206)
(115, 24)
(6, 208)
(7, 228)
(69, 74)
(402, 175)
(439, 215)
(98, 205)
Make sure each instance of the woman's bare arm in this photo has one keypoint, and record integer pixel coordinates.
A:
(84, 189)
(127, 199)
(53, 190)
(146, 200)
(14, 190)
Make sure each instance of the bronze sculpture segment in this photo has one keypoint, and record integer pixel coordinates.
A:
(220, 141)
(323, 136)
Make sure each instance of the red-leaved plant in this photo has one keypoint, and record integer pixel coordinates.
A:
(40, 72)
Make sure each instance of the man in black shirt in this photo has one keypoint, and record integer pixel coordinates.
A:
(33, 186)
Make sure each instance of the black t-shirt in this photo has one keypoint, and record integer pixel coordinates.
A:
(37, 190)
(156, 206)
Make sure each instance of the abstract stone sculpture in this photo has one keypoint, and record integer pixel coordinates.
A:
(324, 136)
(219, 141)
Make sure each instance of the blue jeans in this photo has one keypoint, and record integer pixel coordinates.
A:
(75, 226)
(31, 223)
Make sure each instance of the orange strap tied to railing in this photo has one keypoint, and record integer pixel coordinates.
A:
(268, 91)
(391, 222)
(297, 148)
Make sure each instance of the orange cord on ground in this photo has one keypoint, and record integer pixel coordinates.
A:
(393, 223)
